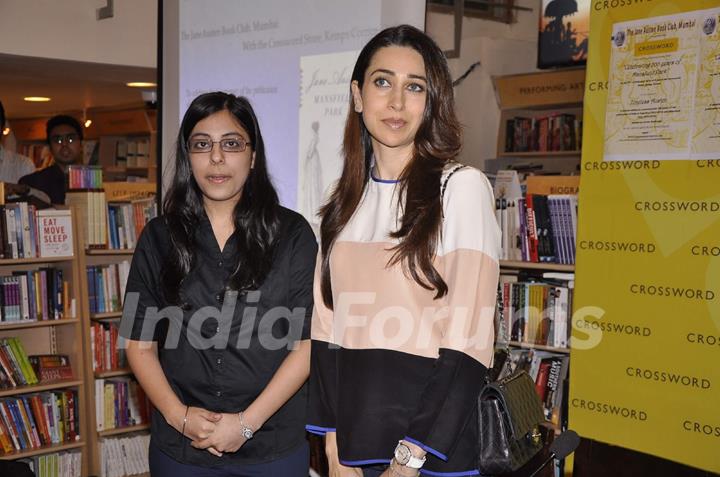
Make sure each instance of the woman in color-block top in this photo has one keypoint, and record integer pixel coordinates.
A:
(405, 284)
(218, 305)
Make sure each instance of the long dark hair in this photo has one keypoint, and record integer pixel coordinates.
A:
(255, 215)
(437, 141)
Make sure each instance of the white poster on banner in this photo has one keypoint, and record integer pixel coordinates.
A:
(663, 95)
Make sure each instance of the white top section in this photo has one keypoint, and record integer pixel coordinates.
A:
(468, 214)
(469, 208)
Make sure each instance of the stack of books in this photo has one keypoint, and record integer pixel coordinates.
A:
(29, 233)
(124, 456)
(106, 286)
(15, 367)
(555, 132)
(57, 464)
(36, 295)
(35, 420)
(120, 402)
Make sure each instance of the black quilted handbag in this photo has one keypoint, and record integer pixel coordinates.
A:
(510, 413)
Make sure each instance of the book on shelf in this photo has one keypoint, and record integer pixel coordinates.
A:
(56, 464)
(31, 421)
(138, 152)
(538, 227)
(126, 220)
(550, 133)
(106, 286)
(55, 233)
(34, 295)
(84, 177)
(120, 402)
(121, 456)
(15, 368)
(51, 367)
(125, 151)
(92, 208)
(28, 232)
(116, 223)
(534, 312)
(507, 184)
(104, 347)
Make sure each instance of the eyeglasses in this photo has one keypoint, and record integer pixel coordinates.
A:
(228, 144)
(61, 138)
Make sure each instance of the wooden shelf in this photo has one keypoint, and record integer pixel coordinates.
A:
(17, 325)
(123, 430)
(43, 450)
(109, 251)
(548, 154)
(23, 261)
(555, 267)
(113, 373)
(105, 316)
(36, 388)
(553, 349)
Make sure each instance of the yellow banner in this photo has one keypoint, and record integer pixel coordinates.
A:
(645, 355)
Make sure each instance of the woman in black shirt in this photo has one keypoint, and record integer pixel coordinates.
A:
(217, 307)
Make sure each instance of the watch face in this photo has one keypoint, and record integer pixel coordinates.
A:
(402, 454)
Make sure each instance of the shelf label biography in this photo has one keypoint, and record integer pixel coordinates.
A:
(663, 101)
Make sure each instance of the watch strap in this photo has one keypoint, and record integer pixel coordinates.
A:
(247, 431)
(413, 462)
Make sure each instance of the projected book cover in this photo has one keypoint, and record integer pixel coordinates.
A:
(324, 99)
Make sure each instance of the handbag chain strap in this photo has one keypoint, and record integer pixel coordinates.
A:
(502, 332)
(456, 168)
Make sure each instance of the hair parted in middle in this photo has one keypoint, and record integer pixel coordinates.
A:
(255, 215)
(438, 140)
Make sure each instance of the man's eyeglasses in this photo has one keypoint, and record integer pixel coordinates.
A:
(227, 144)
(61, 138)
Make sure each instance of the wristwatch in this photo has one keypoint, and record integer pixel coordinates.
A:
(246, 431)
(405, 457)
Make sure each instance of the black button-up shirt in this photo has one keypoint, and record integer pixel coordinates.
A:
(221, 348)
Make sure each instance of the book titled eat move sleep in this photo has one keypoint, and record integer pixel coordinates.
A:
(55, 232)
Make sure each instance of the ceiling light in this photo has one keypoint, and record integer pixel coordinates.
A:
(37, 99)
(6, 131)
(88, 122)
(141, 84)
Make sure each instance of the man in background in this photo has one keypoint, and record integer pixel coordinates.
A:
(12, 166)
(64, 135)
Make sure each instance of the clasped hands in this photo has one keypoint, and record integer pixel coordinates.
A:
(213, 431)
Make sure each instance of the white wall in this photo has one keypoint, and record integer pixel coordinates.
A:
(68, 30)
(502, 49)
